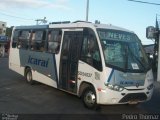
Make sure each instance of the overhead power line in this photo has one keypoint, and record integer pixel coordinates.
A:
(14, 16)
(144, 2)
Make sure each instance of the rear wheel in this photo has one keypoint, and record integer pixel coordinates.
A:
(89, 98)
(28, 76)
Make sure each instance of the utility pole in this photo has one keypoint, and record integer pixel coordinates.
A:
(154, 33)
(157, 45)
(87, 10)
(158, 70)
(155, 55)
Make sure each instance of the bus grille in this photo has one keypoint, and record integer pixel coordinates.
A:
(133, 97)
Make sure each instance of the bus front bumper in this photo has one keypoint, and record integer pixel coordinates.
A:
(126, 96)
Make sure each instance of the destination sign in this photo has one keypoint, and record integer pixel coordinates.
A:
(115, 35)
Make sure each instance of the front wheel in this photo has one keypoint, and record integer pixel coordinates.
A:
(89, 98)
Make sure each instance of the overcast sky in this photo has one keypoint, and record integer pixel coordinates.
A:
(130, 15)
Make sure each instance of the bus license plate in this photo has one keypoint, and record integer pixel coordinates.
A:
(133, 102)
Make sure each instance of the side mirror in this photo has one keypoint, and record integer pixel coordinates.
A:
(150, 32)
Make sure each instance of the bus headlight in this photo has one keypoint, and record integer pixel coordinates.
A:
(150, 86)
(114, 87)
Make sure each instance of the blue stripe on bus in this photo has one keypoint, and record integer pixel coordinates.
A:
(110, 76)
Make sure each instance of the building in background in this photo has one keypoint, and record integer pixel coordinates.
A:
(3, 38)
(3, 28)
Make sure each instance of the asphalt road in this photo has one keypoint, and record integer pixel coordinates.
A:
(19, 97)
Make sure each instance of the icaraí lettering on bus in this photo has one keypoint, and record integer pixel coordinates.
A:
(39, 62)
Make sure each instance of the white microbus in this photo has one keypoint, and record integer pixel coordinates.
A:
(102, 64)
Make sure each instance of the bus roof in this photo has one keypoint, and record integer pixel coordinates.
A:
(81, 24)
(32, 27)
(77, 24)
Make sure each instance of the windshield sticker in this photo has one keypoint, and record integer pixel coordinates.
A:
(135, 66)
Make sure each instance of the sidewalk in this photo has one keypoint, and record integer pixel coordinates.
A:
(157, 86)
(156, 83)
(5, 55)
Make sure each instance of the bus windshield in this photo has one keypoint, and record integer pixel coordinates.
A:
(123, 50)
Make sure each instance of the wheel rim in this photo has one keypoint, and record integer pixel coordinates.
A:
(29, 76)
(90, 98)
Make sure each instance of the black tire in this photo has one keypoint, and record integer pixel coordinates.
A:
(28, 76)
(89, 98)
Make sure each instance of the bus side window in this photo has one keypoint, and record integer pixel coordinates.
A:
(23, 39)
(15, 38)
(38, 40)
(90, 51)
(54, 40)
(32, 40)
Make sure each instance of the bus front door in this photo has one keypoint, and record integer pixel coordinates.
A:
(70, 52)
